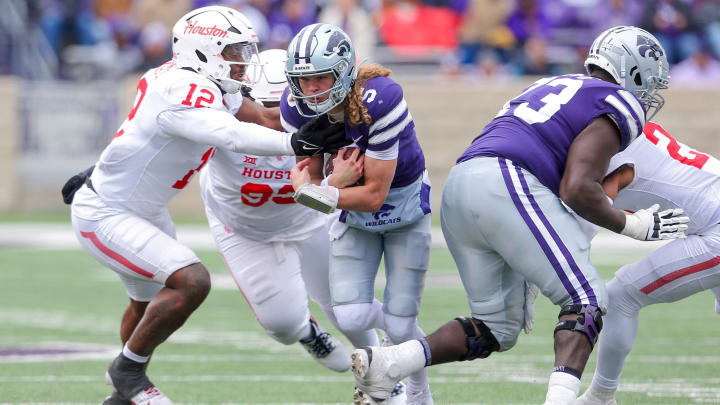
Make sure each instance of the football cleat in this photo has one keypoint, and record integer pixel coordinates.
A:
(397, 396)
(116, 399)
(377, 373)
(129, 379)
(326, 349)
(423, 397)
(596, 396)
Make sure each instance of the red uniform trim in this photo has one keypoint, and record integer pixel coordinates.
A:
(668, 278)
(115, 255)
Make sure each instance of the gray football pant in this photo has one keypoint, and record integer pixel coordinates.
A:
(355, 258)
(504, 227)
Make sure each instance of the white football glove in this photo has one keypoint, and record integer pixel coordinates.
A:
(648, 224)
(531, 293)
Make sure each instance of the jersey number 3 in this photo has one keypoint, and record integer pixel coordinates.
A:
(560, 91)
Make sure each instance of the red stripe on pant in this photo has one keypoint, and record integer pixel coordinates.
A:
(670, 277)
(115, 255)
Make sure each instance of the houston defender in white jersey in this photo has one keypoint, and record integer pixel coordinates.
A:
(276, 250)
(169, 135)
(657, 169)
(119, 212)
(670, 174)
(252, 194)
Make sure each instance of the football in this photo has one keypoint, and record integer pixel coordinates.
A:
(330, 162)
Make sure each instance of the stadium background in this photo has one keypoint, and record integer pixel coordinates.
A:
(68, 70)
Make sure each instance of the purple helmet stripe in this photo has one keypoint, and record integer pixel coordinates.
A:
(308, 45)
(297, 44)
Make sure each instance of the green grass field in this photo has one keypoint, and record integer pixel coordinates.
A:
(65, 307)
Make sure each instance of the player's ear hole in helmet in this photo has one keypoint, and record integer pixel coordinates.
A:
(636, 61)
(218, 43)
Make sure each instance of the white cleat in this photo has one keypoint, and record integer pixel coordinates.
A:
(326, 349)
(377, 372)
(423, 397)
(397, 397)
(596, 396)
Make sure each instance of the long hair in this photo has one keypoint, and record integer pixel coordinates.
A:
(354, 108)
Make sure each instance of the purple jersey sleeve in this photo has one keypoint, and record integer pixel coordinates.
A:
(391, 127)
(535, 129)
(290, 118)
(388, 110)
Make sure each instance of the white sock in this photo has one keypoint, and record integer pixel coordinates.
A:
(716, 291)
(400, 329)
(617, 337)
(132, 356)
(410, 356)
(563, 389)
(599, 393)
(307, 331)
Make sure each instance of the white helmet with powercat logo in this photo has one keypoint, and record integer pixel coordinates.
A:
(319, 49)
(636, 60)
(272, 81)
(211, 39)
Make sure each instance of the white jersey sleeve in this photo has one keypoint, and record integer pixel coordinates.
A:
(671, 174)
(208, 119)
(172, 130)
(221, 129)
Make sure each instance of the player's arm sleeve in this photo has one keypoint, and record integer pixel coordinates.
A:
(625, 110)
(222, 129)
(389, 119)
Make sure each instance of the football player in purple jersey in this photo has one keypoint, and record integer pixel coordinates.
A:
(506, 225)
(388, 213)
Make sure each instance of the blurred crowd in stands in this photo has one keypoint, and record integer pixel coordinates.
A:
(107, 39)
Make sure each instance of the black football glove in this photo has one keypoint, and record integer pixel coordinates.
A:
(74, 183)
(311, 140)
(245, 91)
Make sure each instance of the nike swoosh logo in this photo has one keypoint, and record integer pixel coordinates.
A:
(306, 147)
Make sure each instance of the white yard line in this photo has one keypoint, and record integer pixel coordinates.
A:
(61, 236)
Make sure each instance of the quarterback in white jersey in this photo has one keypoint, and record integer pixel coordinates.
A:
(178, 119)
(276, 250)
(657, 169)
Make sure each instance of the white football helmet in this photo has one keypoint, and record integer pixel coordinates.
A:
(272, 82)
(319, 49)
(636, 60)
(201, 38)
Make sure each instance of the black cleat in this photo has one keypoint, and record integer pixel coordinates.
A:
(129, 379)
(116, 399)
